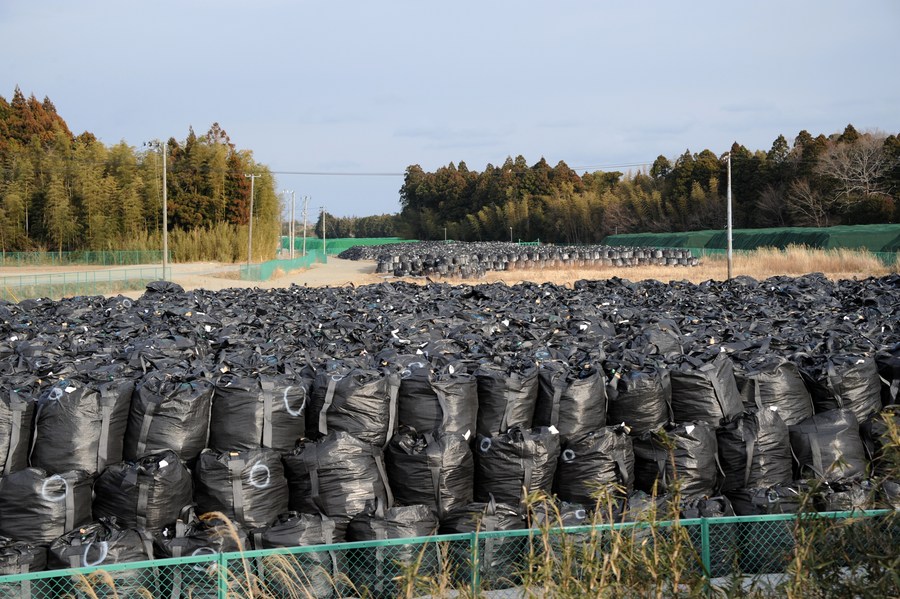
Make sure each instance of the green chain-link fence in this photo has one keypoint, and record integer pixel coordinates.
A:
(266, 270)
(105, 258)
(506, 564)
(64, 284)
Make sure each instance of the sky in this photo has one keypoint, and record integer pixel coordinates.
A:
(361, 90)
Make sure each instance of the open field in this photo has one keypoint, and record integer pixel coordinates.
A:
(760, 264)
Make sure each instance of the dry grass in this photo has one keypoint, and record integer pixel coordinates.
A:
(759, 264)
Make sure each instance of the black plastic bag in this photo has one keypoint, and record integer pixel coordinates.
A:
(705, 392)
(773, 381)
(639, 397)
(844, 381)
(590, 462)
(311, 574)
(500, 559)
(148, 494)
(336, 476)
(258, 411)
(686, 453)
(362, 402)
(431, 398)
(169, 411)
(380, 571)
(876, 438)
(572, 399)
(191, 536)
(434, 470)
(105, 542)
(17, 557)
(506, 397)
(248, 487)
(755, 450)
(16, 414)
(888, 364)
(828, 446)
(36, 507)
(846, 496)
(80, 425)
(511, 465)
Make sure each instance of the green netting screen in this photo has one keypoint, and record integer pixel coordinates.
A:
(339, 244)
(265, 270)
(875, 238)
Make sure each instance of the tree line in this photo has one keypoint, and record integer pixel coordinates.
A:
(844, 178)
(60, 191)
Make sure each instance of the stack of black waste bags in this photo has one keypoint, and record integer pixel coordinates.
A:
(302, 416)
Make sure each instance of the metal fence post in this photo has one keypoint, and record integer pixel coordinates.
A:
(222, 576)
(704, 546)
(476, 564)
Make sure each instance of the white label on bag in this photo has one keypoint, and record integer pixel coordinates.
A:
(689, 429)
(70, 389)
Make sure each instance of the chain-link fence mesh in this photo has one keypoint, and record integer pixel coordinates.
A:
(636, 556)
(64, 284)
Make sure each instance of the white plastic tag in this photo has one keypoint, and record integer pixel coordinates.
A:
(69, 389)
(689, 429)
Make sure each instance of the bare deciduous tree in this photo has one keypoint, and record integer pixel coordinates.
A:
(807, 206)
(857, 167)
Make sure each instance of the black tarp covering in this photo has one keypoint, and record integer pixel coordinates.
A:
(434, 470)
(80, 425)
(571, 398)
(777, 499)
(686, 453)
(596, 465)
(257, 411)
(511, 465)
(359, 401)
(755, 450)
(311, 574)
(16, 414)
(640, 394)
(828, 446)
(435, 397)
(169, 410)
(336, 476)
(773, 381)
(247, 486)
(704, 390)
(148, 494)
(36, 507)
(380, 571)
(506, 396)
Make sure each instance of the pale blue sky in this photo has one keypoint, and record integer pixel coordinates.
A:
(376, 86)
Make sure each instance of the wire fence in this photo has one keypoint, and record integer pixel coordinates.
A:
(65, 284)
(501, 563)
(266, 270)
(104, 258)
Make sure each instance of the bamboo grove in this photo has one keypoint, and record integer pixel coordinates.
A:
(62, 192)
(846, 178)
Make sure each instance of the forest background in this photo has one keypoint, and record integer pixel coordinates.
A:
(63, 192)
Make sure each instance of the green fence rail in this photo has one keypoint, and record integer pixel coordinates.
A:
(717, 549)
(104, 258)
(66, 284)
(266, 270)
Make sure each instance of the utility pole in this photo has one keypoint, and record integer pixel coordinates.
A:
(322, 208)
(292, 223)
(729, 216)
(250, 232)
(305, 207)
(165, 208)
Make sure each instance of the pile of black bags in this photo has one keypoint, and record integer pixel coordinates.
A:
(315, 416)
